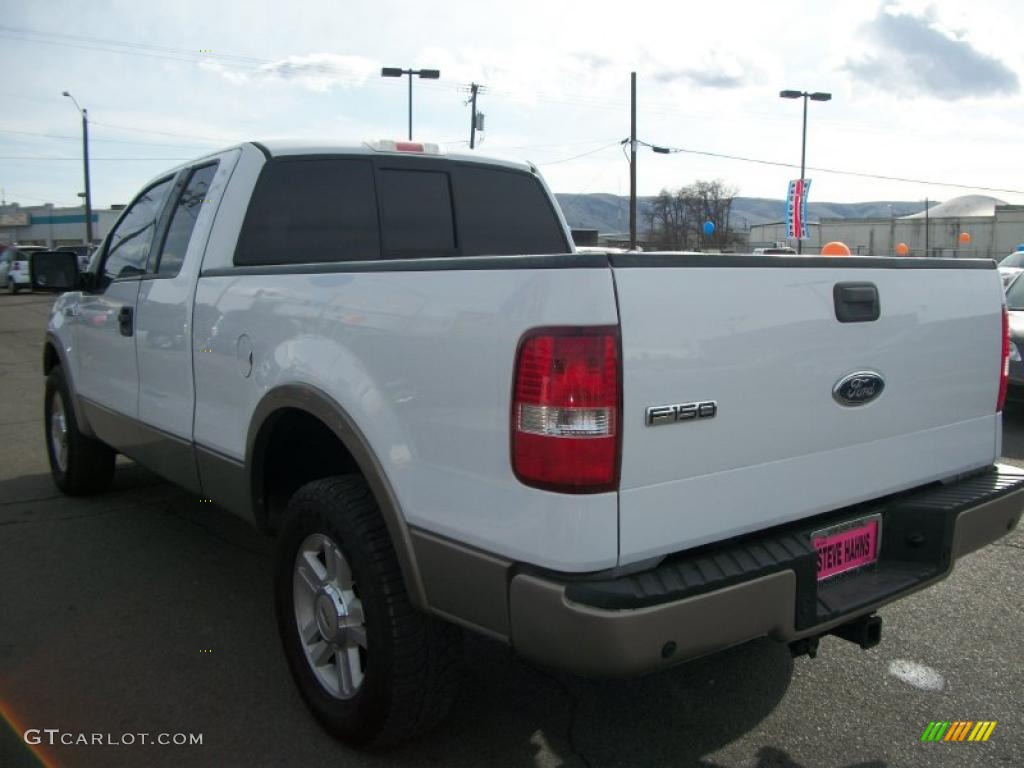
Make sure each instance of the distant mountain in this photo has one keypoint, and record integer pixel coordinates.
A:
(610, 213)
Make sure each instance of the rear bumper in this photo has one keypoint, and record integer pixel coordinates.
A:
(756, 586)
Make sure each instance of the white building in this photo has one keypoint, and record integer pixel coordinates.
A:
(51, 226)
(995, 229)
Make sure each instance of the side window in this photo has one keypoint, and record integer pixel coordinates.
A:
(416, 213)
(129, 243)
(183, 220)
(311, 210)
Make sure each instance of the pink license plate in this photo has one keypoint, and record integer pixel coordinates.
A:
(847, 547)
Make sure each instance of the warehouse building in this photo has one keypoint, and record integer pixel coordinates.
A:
(51, 226)
(995, 229)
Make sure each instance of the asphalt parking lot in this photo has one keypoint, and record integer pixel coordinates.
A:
(145, 611)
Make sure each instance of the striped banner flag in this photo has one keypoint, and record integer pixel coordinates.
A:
(796, 209)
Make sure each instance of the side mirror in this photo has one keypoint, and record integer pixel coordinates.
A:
(54, 271)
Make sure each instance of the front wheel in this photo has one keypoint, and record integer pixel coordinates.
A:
(372, 669)
(79, 465)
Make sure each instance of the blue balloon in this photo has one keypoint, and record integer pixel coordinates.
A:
(1020, 247)
(709, 227)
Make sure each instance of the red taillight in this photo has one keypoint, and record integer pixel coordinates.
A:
(1004, 377)
(565, 410)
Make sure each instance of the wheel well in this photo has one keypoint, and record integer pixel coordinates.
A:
(292, 449)
(50, 359)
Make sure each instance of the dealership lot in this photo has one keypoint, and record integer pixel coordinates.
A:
(147, 611)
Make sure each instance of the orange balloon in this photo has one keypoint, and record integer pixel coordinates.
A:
(835, 248)
(965, 238)
(902, 249)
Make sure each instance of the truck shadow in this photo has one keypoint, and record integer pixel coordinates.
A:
(174, 575)
(514, 713)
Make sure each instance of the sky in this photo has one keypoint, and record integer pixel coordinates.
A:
(927, 91)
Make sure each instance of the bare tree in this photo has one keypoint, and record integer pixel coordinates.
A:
(676, 219)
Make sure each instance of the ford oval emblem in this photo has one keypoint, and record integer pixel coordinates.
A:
(858, 388)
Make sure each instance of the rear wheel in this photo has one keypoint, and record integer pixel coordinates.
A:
(371, 668)
(79, 464)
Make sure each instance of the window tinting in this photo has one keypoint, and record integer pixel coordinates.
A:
(130, 242)
(311, 210)
(416, 213)
(504, 212)
(1015, 295)
(183, 220)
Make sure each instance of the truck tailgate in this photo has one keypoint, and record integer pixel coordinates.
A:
(760, 337)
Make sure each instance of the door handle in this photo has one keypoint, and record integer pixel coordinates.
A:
(126, 321)
(856, 302)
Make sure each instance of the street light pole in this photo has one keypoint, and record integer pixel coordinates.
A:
(426, 74)
(85, 160)
(816, 96)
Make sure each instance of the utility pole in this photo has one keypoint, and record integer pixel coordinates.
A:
(927, 252)
(88, 195)
(632, 161)
(474, 88)
(85, 159)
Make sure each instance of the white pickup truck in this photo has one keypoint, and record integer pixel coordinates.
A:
(393, 360)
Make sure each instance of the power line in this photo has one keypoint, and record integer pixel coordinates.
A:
(582, 154)
(218, 140)
(11, 193)
(91, 139)
(97, 159)
(674, 150)
(245, 63)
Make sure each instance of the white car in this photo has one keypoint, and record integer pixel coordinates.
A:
(391, 359)
(14, 267)
(782, 250)
(1010, 266)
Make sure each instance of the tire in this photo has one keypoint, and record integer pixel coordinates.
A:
(409, 661)
(80, 465)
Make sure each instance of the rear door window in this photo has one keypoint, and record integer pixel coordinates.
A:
(183, 219)
(309, 210)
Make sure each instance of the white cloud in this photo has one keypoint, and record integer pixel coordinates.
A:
(317, 72)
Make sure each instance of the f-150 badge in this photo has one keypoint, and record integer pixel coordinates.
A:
(670, 414)
(858, 388)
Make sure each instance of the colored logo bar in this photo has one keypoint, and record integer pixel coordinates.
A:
(958, 730)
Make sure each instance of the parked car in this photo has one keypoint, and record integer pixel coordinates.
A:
(775, 251)
(392, 360)
(1011, 265)
(15, 270)
(1015, 308)
(83, 252)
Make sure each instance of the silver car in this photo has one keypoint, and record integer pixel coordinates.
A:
(1010, 266)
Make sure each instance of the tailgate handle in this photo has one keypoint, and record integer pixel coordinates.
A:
(856, 302)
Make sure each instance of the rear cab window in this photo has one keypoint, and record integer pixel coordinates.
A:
(307, 210)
